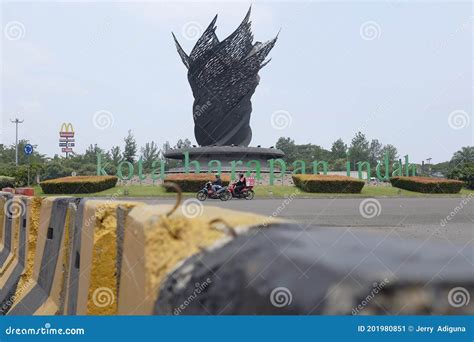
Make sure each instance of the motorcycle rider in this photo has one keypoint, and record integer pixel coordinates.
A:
(217, 184)
(240, 184)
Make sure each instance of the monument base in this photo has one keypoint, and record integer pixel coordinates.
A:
(226, 155)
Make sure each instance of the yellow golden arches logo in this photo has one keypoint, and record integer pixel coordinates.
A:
(67, 128)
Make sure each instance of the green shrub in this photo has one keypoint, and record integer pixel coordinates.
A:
(20, 173)
(6, 182)
(54, 170)
(328, 183)
(464, 173)
(427, 184)
(78, 184)
(193, 182)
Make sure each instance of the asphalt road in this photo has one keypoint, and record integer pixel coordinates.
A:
(422, 247)
(448, 220)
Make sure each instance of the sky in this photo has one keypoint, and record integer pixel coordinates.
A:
(399, 72)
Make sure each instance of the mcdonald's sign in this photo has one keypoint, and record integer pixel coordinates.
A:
(66, 138)
(67, 131)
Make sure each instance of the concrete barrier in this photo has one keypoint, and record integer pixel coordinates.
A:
(41, 294)
(285, 270)
(3, 199)
(32, 225)
(105, 257)
(70, 253)
(92, 285)
(156, 244)
(14, 265)
(74, 256)
(15, 216)
(6, 233)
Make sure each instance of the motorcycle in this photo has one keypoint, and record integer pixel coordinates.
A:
(246, 192)
(207, 192)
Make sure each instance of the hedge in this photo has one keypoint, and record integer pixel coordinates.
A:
(7, 182)
(78, 184)
(328, 183)
(427, 184)
(191, 182)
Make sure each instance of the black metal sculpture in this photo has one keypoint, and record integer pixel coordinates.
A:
(223, 77)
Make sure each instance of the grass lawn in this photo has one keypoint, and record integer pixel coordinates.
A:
(262, 192)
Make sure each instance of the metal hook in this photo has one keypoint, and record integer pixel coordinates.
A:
(178, 196)
(228, 229)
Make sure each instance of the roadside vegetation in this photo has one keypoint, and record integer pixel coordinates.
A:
(38, 167)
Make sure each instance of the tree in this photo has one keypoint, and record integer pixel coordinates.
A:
(338, 149)
(115, 155)
(166, 147)
(130, 150)
(392, 153)
(150, 153)
(462, 166)
(464, 156)
(359, 149)
(338, 165)
(310, 152)
(288, 146)
(375, 152)
(183, 143)
(170, 163)
(90, 156)
(464, 173)
(7, 154)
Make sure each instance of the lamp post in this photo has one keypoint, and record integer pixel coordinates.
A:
(16, 122)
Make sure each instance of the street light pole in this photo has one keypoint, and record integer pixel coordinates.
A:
(16, 122)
